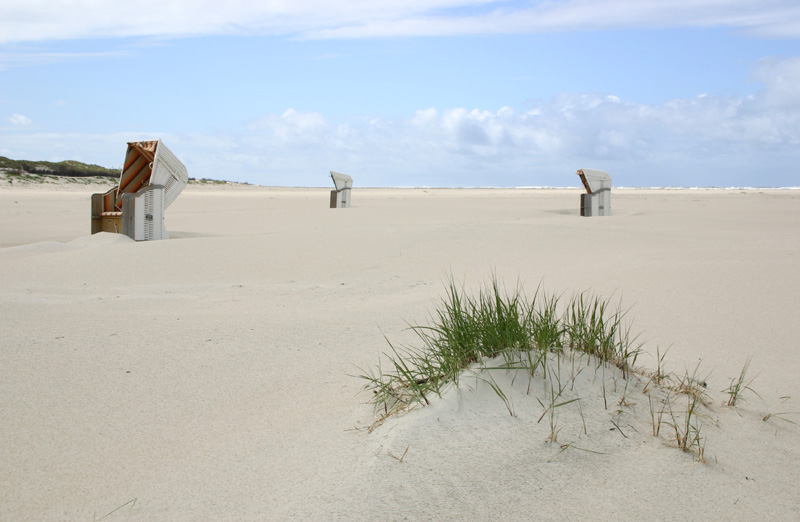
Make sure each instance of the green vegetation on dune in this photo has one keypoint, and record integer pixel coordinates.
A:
(69, 168)
(47, 171)
(548, 340)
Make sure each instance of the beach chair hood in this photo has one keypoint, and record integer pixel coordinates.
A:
(341, 181)
(595, 180)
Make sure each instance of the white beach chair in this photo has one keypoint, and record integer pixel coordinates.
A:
(152, 177)
(597, 200)
(340, 197)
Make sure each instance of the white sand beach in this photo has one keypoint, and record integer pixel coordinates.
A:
(211, 376)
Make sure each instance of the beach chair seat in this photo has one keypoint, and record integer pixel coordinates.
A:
(597, 199)
(340, 196)
(151, 178)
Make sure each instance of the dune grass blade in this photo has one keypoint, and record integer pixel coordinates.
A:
(130, 503)
(382, 388)
(590, 326)
(688, 435)
(547, 329)
(556, 390)
(740, 385)
(656, 416)
(782, 416)
(692, 384)
(498, 391)
(565, 447)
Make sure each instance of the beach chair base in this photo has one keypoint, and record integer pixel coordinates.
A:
(340, 198)
(143, 214)
(110, 222)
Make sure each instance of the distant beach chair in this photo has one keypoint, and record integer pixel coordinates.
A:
(340, 197)
(151, 179)
(597, 200)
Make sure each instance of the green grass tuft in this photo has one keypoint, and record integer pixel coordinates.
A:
(502, 329)
(469, 329)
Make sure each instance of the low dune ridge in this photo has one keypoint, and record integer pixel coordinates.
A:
(215, 376)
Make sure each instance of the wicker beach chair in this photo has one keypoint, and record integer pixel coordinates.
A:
(597, 200)
(152, 177)
(340, 197)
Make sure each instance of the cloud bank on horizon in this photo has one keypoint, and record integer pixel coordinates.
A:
(412, 93)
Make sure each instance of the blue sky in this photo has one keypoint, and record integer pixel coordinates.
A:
(412, 93)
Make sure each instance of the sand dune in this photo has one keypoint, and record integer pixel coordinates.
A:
(210, 377)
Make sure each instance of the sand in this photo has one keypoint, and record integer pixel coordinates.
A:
(210, 377)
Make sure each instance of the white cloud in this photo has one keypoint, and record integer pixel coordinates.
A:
(781, 79)
(21, 57)
(706, 140)
(769, 18)
(19, 120)
(23, 20)
(291, 125)
(699, 141)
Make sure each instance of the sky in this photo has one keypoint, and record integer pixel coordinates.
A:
(435, 93)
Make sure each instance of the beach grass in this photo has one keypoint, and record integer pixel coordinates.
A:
(466, 330)
(504, 329)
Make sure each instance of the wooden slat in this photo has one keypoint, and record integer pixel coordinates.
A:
(136, 150)
(146, 148)
(137, 168)
(109, 200)
(133, 174)
(585, 183)
(136, 176)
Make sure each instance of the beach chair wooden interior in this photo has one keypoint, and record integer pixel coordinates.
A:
(597, 200)
(151, 178)
(340, 196)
